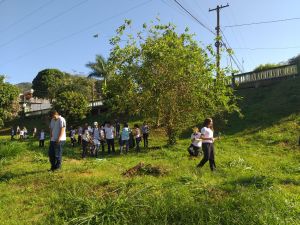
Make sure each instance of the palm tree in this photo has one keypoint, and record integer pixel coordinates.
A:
(99, 68)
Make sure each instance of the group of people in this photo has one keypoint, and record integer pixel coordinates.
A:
(22, 134)
(92, 137)
(205, 139)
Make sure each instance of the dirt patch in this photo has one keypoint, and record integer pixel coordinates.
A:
(142, 169)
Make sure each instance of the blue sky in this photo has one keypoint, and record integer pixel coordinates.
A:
(39, 34)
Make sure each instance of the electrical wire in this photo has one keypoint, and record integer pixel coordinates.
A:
(263, 22)
(43, 23)
(77, 32)
(268, 48)
(235, 60)
(202, 24)
(27, 15)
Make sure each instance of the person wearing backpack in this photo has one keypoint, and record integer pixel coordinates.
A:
(124, 138)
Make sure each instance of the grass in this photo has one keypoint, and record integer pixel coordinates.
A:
(257, 179)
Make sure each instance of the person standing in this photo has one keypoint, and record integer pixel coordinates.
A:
(72, 136)
(125, 138)
(57, 140)
(18, 132)
(102, 138)
(145, 131)
(196, 142)
(85, 140)
(137, 136)
(34, 132)
(79, 132)
(207, 136)
(12, 134)
(25, 132)
(110, 137)
(42, 138)
(96, 139)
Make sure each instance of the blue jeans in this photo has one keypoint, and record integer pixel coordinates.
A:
(55, 154)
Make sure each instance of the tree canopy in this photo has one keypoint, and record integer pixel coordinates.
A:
(166, 77)
(9, 104)
(73, 105)
(47, 83)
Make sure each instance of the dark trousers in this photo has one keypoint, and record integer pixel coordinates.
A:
(84, 148)
(145, 138)
(137, 141)
(209, 155)
(79, 141)
(55, 154)
(41, 143)
(102, 142)
(110, 144)
(193, 150)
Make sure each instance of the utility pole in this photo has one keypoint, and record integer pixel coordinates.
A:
(218, 44)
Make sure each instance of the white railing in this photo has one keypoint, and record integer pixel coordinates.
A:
(282, 71)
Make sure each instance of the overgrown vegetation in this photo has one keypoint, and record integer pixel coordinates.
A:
(256, 182)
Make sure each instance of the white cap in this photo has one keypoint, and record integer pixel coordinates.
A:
(95, 123)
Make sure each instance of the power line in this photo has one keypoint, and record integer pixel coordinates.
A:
(77, 32)
(235, 60)
(27, 15)
(263, 22)
(202, 24)
(43, 23)
(268, 48)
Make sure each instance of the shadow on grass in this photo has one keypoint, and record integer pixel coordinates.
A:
(7, 176)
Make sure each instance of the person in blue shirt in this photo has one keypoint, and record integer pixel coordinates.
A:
(125, 138)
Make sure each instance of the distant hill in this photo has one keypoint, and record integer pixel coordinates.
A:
(24, 86)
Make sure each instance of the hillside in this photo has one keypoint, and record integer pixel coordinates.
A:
(272, 112)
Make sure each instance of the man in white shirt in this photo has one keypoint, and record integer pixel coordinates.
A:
(57, 140)
(110, 137)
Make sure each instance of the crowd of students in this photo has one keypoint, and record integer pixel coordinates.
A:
(99, 137)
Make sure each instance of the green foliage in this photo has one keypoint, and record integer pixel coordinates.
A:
(72, 105)
(9, 105)
(47, 83)
(99, 69)
(166, 77)
(266, 66)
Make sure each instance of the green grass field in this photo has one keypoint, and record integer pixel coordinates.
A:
(257, 179)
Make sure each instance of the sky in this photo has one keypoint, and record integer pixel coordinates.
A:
(40, 34)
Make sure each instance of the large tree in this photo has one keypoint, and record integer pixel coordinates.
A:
(166, 77)
(9, 104)
(47, 83)
(73, 105)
